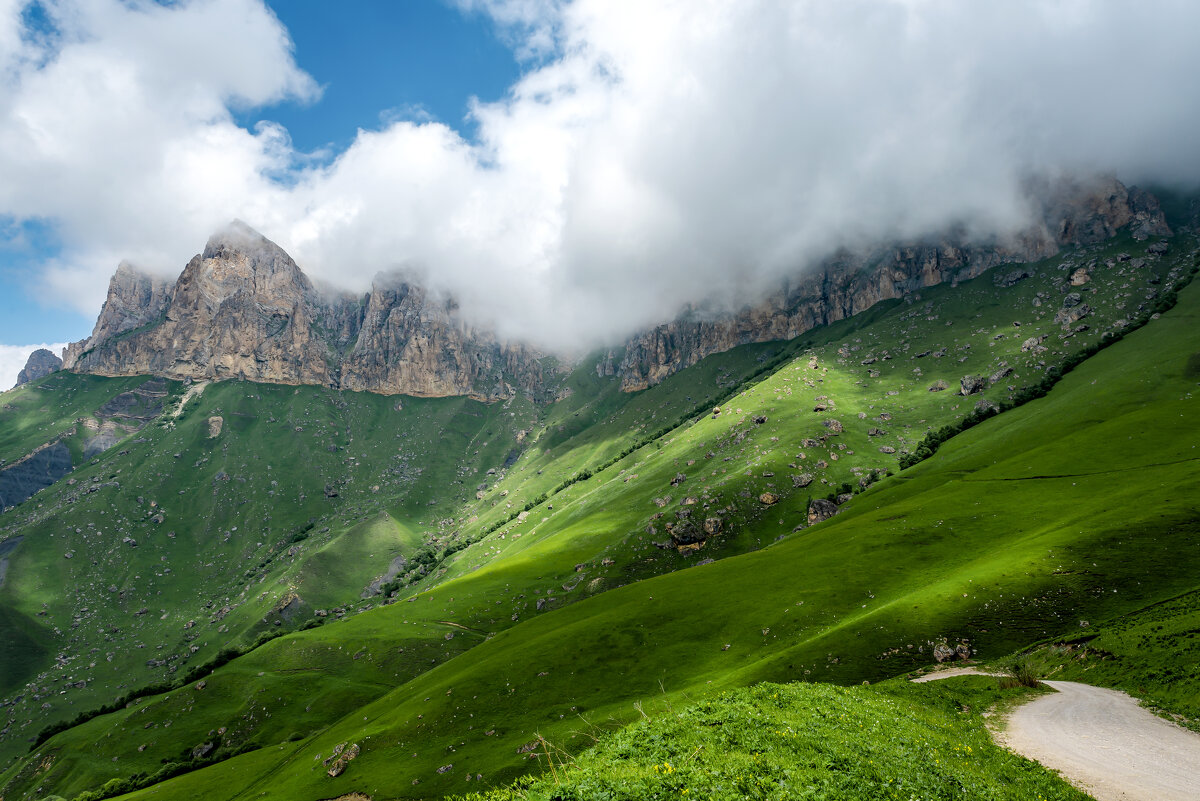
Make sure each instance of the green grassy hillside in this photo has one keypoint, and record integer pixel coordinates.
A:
(806, 741)
(1153, 654)
(550, 558)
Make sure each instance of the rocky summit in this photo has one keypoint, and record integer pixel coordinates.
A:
(41, 363)
(244, 309)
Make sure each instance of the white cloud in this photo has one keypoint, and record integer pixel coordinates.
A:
(13, 358)
(654, 154)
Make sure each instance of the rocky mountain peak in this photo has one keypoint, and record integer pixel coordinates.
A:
(239, 260)
(135, 298)
(243, 308)
(40, 363)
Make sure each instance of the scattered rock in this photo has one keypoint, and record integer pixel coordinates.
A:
(834, 425)
(1069, 316)
(821, 509)
(970, 384)
(945, 652)
(684, 532)
(938, 386)
(769, 498)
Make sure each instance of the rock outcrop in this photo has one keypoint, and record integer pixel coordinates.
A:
(41, 363)
(135, 299)
(1071, 213)
(46, 465)
(413, 344)
(244, 309)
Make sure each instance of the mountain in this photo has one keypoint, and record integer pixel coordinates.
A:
(244, 309)
(228, 589)
(40, 363)
(1068, 213)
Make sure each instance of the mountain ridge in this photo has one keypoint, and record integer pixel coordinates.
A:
(222, 319)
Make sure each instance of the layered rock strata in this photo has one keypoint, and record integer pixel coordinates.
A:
(243, 309)
(849, 283)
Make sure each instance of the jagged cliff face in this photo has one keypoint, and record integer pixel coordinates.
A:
(1072, 214)
(40, 363)
(413, 344)
(244, 309)
(240, 309)
(134, 300)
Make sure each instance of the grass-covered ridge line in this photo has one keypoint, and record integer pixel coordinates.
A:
(804, 741)
(934, 439)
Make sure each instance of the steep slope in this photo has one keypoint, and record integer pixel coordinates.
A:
(1017, 529)
(247, 509)
(503, 575)
(1068, 213)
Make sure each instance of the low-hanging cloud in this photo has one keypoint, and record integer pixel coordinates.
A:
(652, 155)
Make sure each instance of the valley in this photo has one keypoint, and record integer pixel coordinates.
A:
(252, 581)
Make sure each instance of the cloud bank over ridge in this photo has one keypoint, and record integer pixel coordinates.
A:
(653, 154)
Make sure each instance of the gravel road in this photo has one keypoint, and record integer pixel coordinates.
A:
(1106, 744)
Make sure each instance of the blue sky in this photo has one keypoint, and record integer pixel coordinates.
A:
(375, 60)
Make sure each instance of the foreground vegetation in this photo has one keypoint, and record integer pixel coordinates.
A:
(894, 740)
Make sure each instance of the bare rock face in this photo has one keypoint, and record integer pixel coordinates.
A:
(243, 309)
(40, 363)
(1071, 213)
(134, 299)
(413, 344)
(240, 309)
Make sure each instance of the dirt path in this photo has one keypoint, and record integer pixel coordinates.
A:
(1106, 744)
(949, 673)
(1101, 741)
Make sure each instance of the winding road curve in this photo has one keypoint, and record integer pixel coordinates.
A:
(1102, 742)
(1106, 744)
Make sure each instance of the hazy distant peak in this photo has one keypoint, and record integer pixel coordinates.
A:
(240, 237)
